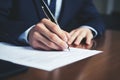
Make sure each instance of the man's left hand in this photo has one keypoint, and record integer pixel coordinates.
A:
(77, 35)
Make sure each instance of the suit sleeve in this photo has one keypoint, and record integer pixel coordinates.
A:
(89, 16)
(10, 29)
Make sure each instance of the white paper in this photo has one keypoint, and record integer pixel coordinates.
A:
(45, 60)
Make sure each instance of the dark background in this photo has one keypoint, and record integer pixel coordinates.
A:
(112, 21)
(110, 12)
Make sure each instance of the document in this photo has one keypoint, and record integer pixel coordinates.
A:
(45, 60)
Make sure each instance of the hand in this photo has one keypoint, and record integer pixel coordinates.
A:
(46, 35)
(79, 34)
(92, 45)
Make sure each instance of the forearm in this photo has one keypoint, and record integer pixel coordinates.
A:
(11, 30)
(90, 17)
(24, 36)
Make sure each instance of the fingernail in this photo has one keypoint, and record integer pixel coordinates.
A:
(88, 43)
(76, 43)
(65, 46)
(69, 42)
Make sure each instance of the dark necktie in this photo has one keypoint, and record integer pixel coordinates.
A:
(52, 5)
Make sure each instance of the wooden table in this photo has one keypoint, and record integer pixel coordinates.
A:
(104, 66)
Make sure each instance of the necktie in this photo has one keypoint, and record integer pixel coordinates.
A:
(52, 5)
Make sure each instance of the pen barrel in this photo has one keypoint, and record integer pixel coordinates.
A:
(47, 12)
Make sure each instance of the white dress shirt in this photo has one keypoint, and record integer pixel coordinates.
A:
(23, 36)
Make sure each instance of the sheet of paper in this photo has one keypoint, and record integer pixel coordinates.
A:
(45, 60)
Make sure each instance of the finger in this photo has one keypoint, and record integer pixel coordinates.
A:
(34, 39)
(54, 38)
(47, 42)
(80, 37)
(73, 37)
(88, 46)
(89, 38)
(72, 32)
(51, 36)
(67, 35)
(40, 46)
(54, 28)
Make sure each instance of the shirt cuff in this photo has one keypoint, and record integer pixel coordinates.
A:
(95, 33)
(24, 36)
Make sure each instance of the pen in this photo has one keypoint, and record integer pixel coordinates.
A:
(49, 14)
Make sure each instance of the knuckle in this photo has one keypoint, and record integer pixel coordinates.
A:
(34, 45)
(83, 34)
(38, 25)
(61, 43)
(62, 34)
(91, 36)
(54, 28)
(52, 36)
(43, 20)
(50, 44)
(35, 34)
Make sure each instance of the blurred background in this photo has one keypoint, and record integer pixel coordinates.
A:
(110, 11)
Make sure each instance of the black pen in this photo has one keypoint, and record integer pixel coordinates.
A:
(49, 14)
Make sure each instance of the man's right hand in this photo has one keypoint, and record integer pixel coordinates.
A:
(46, 35)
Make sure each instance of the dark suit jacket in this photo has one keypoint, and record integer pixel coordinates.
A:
(16, 16)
